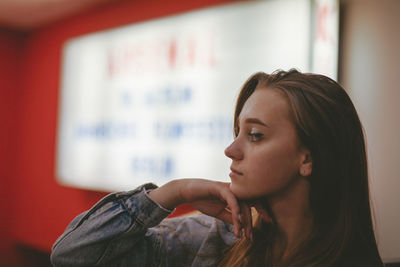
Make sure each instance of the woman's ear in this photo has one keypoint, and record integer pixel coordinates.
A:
(306, 164)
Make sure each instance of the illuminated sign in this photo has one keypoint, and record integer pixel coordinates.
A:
(325, 36)
(154, 101)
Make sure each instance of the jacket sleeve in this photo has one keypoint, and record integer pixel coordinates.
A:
(113, 232)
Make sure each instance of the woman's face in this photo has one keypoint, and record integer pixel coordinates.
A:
(266, 155)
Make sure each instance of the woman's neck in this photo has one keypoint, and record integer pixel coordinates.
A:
(293, 216)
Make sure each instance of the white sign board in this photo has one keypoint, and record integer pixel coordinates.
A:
(155, 100)
(325, 37)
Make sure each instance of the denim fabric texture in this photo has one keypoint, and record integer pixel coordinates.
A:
(130, 229)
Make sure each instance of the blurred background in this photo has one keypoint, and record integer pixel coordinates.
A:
(61, 60)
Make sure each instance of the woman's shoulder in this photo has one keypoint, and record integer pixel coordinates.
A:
(196, 239)
(200, 225)
(200, 222)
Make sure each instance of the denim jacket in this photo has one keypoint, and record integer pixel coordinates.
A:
(130, 229)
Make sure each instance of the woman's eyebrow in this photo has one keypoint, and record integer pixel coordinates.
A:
(255, 121)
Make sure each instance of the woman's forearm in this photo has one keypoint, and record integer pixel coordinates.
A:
(169, 195)
(111, 229)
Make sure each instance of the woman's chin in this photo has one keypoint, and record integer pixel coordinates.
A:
(234, 189)
(240, 192)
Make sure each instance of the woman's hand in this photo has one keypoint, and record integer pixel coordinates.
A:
(212, 198)
(209, 197)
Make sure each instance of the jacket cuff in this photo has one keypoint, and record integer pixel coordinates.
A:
(147, 212)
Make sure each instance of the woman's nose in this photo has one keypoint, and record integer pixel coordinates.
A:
(234, 151)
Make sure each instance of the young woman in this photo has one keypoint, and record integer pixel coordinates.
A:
(298, 159)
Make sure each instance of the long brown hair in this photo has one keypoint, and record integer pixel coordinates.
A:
(328, 125)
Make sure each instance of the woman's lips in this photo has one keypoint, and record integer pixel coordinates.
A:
(235, 172)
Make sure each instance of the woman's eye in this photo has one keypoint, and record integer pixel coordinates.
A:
(255, 136)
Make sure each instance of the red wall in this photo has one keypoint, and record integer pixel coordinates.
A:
(10, 45)
(37, 208)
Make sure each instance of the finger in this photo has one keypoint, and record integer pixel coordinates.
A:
(233, 205)
(246, 219)
(263, 212)
(226, 216)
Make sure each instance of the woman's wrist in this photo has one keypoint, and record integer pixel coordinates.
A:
(169, 195)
